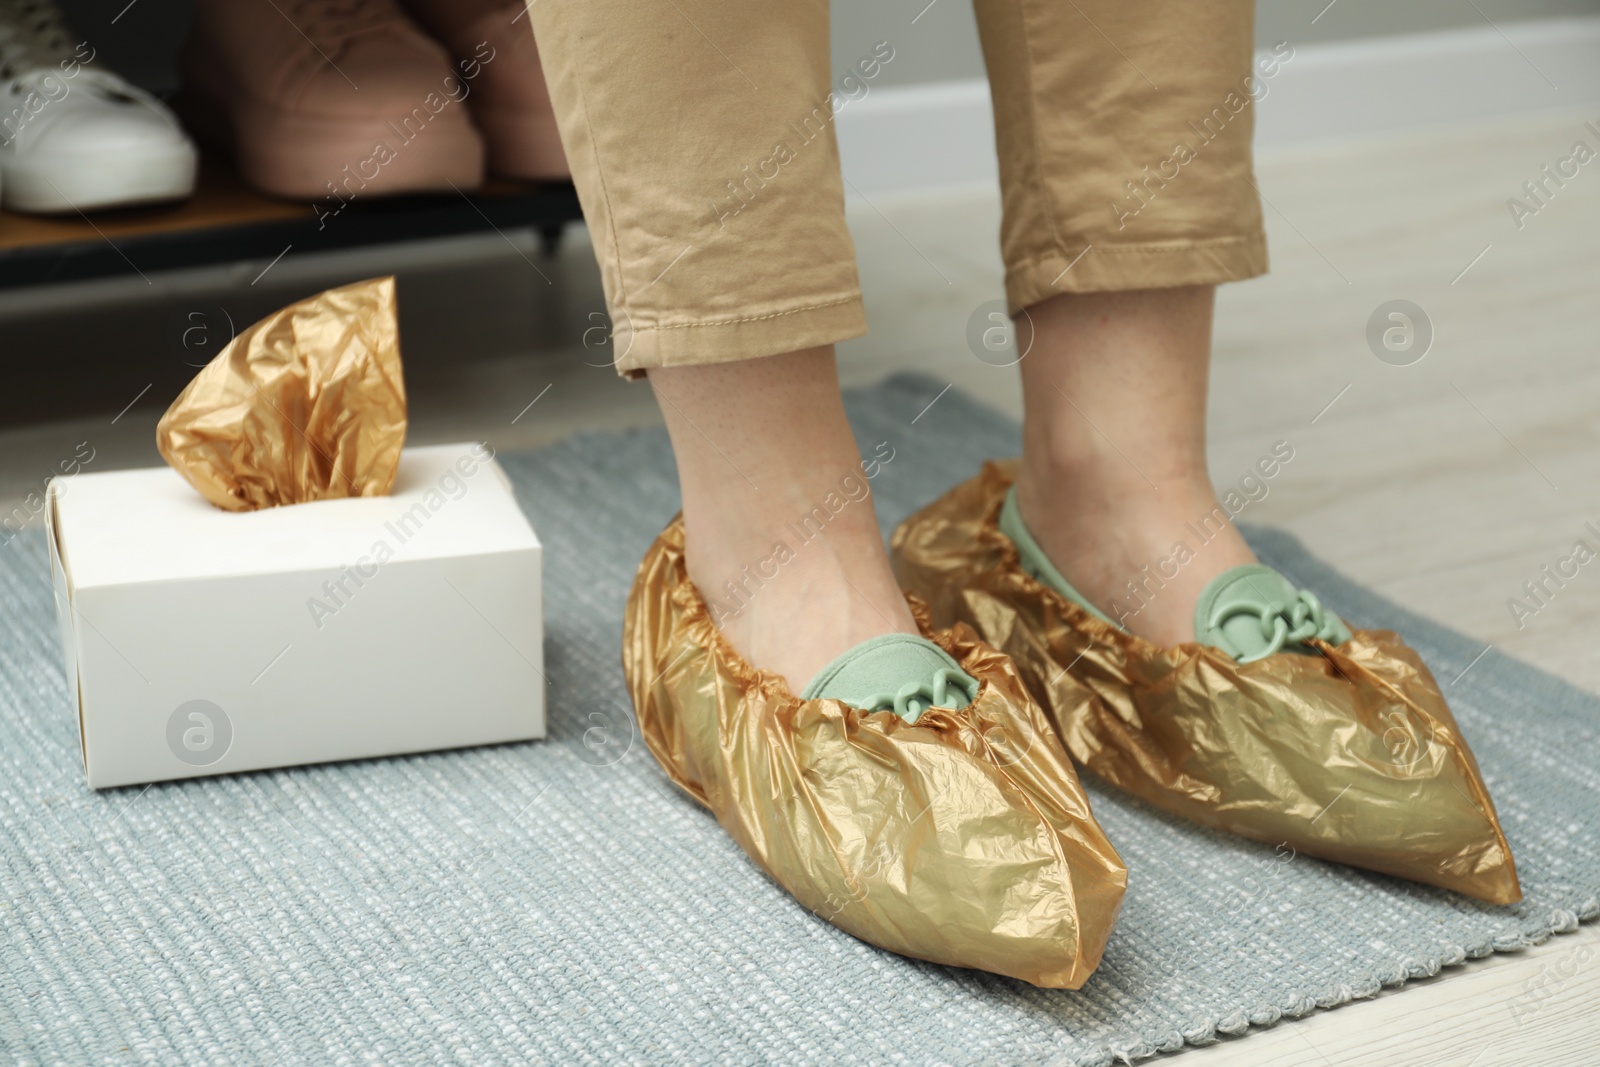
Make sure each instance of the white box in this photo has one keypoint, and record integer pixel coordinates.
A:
(201, 641)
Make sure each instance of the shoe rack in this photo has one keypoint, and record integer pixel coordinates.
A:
(226, 221)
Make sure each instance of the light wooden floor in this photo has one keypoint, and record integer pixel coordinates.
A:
(1445, 484)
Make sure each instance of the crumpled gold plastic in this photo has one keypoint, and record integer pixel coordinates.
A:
(1351, 755)
(307, 404)
(965, 839)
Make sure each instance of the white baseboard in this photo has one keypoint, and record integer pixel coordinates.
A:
(941, 134)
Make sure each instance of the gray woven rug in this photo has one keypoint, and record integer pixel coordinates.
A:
(560, 902)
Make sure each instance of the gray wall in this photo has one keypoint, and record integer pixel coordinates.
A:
(943, 42)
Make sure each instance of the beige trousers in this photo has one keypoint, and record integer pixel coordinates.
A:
(701, 139)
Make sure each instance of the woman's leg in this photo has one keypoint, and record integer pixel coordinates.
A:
(1124, 139)
(1114, 453)
(780, 533)
(700, 135)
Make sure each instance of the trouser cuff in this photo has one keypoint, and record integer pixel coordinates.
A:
(730, 339)
(1105, 268)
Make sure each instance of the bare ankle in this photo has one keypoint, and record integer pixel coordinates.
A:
(1141, 553)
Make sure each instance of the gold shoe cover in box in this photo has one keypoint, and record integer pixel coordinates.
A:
(965, 839)
(1351, 755)
(307, 404)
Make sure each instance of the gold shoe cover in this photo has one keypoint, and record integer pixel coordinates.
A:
(1351, 755)
(965, 839)
(307, 404)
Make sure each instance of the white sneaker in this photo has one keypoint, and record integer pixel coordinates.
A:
(74, 137)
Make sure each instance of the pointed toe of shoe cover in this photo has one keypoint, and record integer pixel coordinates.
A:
(964, 839)
(1351, 755)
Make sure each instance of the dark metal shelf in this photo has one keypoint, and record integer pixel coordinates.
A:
(226, 222)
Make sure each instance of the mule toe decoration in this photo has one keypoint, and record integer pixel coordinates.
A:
(901, 673)
(1279, 722)
(1252, 612)
(914, 796)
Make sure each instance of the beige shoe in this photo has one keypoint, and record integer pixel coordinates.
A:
(492, 43)
(322, 99)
